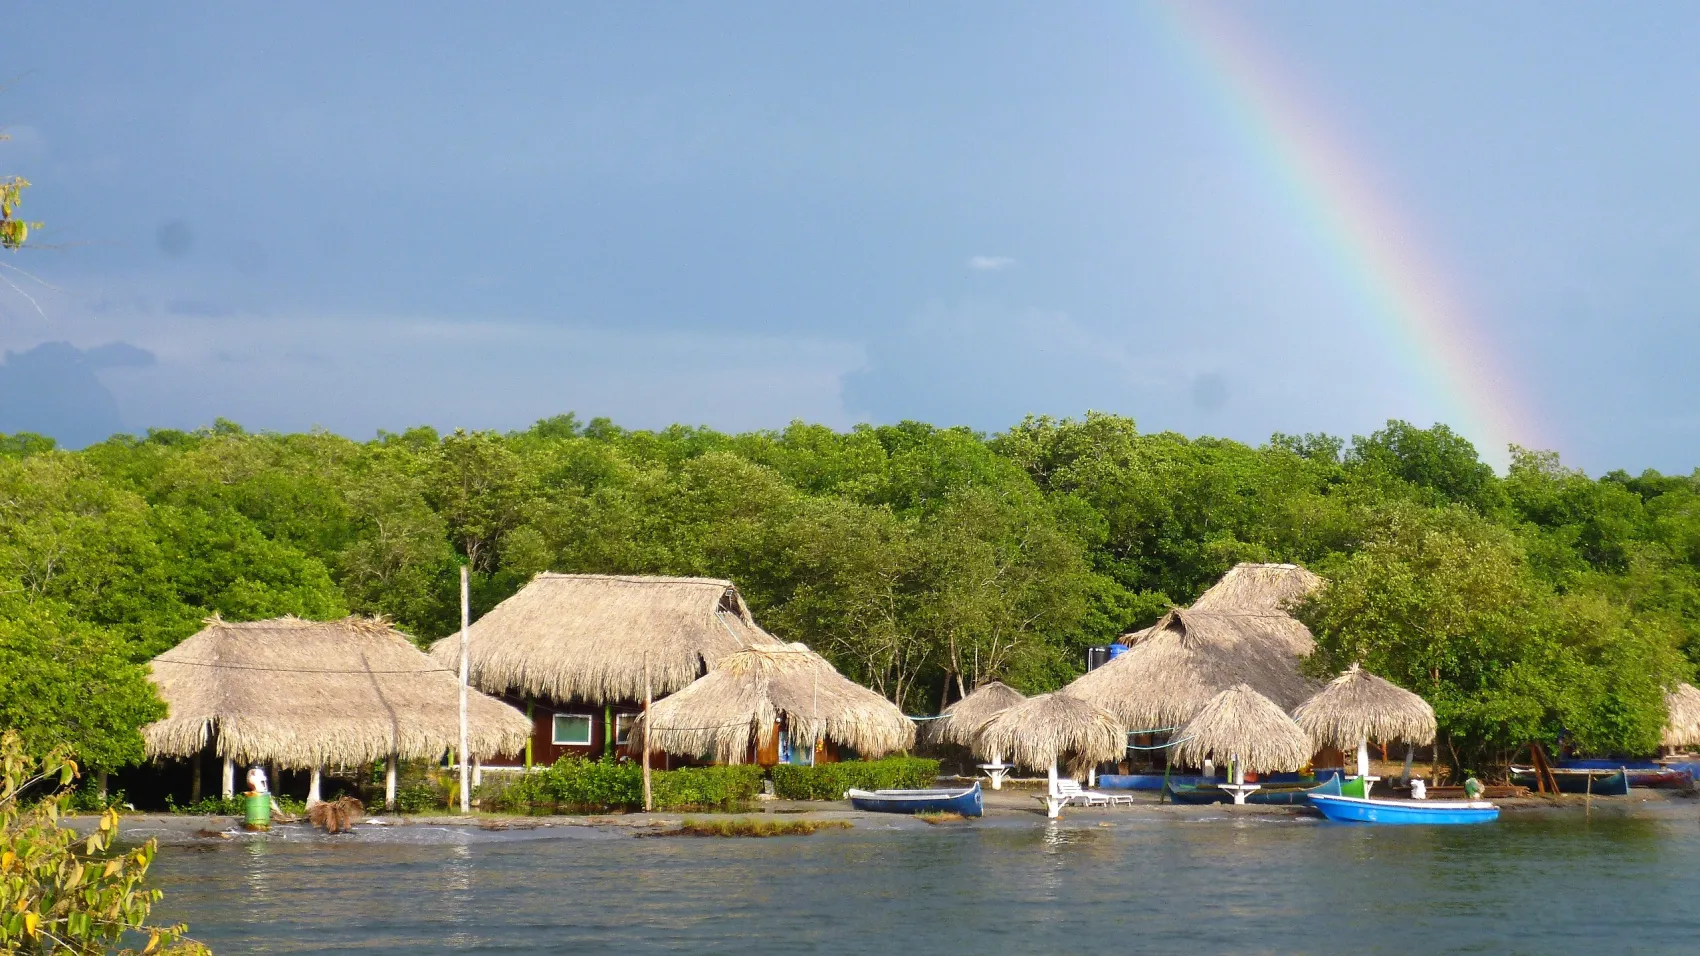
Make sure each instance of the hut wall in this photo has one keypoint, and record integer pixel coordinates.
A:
(602, 721)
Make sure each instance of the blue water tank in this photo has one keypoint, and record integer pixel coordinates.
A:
(1116, 650)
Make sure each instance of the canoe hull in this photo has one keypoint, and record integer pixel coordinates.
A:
(1577, 781)
(966, 802)
(1268, 797)
(1361, 810)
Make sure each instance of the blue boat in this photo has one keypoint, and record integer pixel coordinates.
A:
(966, 802)
(1146, 781)
(1370, 810)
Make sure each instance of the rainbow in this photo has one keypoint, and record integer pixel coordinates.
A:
(1375, 249)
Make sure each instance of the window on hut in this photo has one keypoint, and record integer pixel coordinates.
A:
(572, 730)
(623, 728)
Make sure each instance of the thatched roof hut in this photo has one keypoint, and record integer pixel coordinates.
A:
(586, 637)
(307, 693)
(1235, 633)
(739, 706)
(1359, 706)
(1682, 729)
(1241, 723)
(961, 722)
(1040, 732)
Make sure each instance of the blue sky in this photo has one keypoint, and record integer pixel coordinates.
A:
(373, 216)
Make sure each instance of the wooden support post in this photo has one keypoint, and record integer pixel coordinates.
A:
(648, 697)
(465, 640)
(530, 711)
(228, 787)
(195, 777)
(389, 781)
(314, 793)
(477, 772)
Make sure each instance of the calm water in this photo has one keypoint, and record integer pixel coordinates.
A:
(1145, 883)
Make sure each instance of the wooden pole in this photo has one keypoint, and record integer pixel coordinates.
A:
(465, 640)
(648, 697)
(389, 782)
(314, 791)
(228, 788)
(195, 778)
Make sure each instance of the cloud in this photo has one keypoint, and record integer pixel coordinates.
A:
(52, 390)
(990, 263)
(391, 372)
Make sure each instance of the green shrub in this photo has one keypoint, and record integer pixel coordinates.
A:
(705, 788)
(207, 807)
(421, 797)
(575, 784)
(828, 781)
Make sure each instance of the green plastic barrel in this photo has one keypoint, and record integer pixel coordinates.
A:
(257, 811)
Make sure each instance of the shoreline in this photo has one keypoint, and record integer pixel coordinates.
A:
(1002, 807)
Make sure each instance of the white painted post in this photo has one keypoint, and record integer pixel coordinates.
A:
(465, 639)
(477, 772)
(1363, 758)
(229, 782)
(1053, 801)
(313, 790)
(389, 782)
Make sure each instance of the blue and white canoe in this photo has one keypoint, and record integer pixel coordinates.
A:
(1371, 810)
(965, 802)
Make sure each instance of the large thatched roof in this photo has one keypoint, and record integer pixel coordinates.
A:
(961, 722)
(1240, 722)
(738, 704)
(1682, 729)
(305, 693)
(585, 636)
(1042, 730)
(1359, 706)
(1236, 633)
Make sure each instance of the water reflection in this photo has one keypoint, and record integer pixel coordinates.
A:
(1158, 884)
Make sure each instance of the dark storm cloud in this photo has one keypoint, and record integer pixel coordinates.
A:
(52, 390)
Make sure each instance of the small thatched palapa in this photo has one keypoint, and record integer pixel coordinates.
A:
(306, 693)
(1682, 729)
(1042, 731)
(1359, 706)
(1241, 723)
(1235, 633)
(586, 637)
(961, 722)
(737, 708)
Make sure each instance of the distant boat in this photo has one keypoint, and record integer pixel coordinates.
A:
(1612, 783)
(966, 802)
(1268, 796)
(1371, 810)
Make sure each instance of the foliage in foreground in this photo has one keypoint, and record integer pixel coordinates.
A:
(828, 781)
(63, 893)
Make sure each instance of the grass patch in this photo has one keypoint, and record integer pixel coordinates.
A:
(940, 816)
(750, 828)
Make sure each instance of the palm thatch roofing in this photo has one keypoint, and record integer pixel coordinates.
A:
(961, 722)
(740, 704)
(307, 693)
(1682, 729)
(1358, 706)
(1241, 723)
(586, 637)
(1237, 632)
(1049, 728)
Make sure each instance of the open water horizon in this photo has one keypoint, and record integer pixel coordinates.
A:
(1548, 883)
